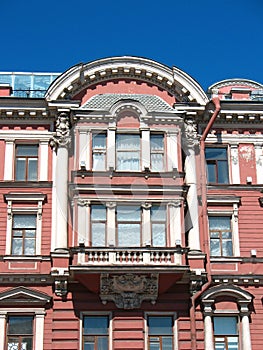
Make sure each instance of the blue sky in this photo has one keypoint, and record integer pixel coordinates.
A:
(210, 40)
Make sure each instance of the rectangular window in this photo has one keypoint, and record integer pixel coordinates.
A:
(98, 225)
(217, 165)
(158, 222)
(20, 333)
(160, 333)
(95, 333)
(225, 333)
(23, 234)
(26, 163)
(99, 152)
(157, 152)
(128, 152)
(220, 236)
(128, 226)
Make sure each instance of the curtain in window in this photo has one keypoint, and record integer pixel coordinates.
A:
(129, 226)
(128, 152)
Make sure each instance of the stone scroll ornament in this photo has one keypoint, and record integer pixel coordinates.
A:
(191, 137)
(129, 291)
(61, 137)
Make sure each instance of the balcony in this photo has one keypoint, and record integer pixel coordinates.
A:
(97, 259)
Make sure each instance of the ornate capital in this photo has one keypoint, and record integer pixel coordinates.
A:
(61, 287)
(61, 137)
(83, 202)
(129, 291)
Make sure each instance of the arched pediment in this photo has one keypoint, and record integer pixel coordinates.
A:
(81, 76)
(226, 291)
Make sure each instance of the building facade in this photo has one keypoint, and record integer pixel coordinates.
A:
(131, 210)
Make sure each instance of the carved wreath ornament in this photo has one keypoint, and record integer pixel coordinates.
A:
(129, 291)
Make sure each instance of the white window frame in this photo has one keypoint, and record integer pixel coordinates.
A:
(35, 138)
(38, 324)
(94, 313)
(233, 214)
(161, 314)
(29, 198)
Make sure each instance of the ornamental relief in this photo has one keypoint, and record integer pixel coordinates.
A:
(129, 291)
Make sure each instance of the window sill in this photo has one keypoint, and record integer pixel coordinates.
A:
(25, 258)
(225, 259)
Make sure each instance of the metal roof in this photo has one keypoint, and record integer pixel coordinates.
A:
(152, 103)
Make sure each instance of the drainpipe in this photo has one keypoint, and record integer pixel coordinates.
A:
(216, 102)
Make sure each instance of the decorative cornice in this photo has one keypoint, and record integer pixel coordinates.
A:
(80, 77)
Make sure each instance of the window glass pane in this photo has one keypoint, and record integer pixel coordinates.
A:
(32, 169)
(89, 345)
(22, 82)
(99, 161)
(20, 325)
(102, 343)
(99, 141)
(128, 213)
(27, 150)
(128, 142)
(160, 325)
(219, 222)
(225, 325)
(158, 213)
(216, 153)
(128, 160)
(17, 246)
(98, 212)
(95, 325)
(29, 248)
(232, 343)
(129, 235)
(98, 234)
(157, 161)
(211, 172)
(167, 343)
(227, 248)
(222, 172)
(20, 169)
(158, 235)
(24, 221)
(156, 142)
(215, 247)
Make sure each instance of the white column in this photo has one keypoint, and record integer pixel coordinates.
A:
(43, 160)
(246, 340)
(9, 160)
(111, 230)
(192, 222)
(84, 148)
(172, 150)
(235, 164)
(83, 225)
(175, 227)
(209, 338)
(54, 209)
(2, 327)
(146, 161)
(39, 331)
(259, 163)
(146, 224)
(111, 148)
(62, 198)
